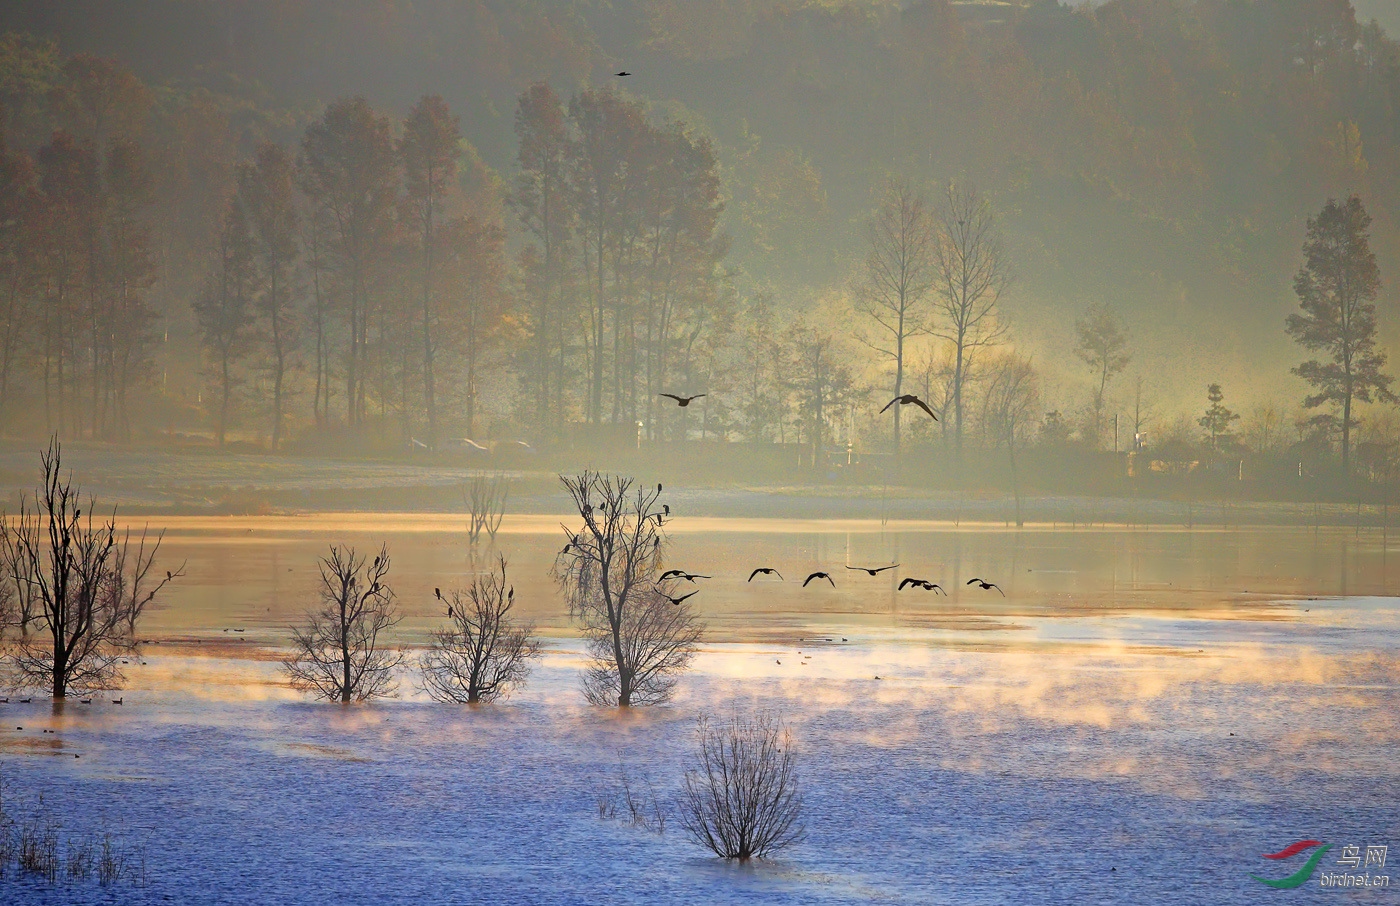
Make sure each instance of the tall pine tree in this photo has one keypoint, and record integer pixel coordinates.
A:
(1337, 287)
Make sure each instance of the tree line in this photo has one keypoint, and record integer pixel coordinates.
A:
(363, 277)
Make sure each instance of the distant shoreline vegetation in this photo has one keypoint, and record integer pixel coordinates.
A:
(209, 247)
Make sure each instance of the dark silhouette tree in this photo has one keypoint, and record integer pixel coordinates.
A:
(1336, 288)
(639, 642)
(741, 799)
(337, 653)
(83, 586)
(483, 653)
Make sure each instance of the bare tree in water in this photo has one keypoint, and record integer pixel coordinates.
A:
(69, 574)
(638, 640)
(483, 653)
(741, 799)
(486, 505)
(338, 654)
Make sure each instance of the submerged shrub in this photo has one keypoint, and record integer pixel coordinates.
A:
(741, 798)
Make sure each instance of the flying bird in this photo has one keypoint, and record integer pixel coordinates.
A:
(623, 74)
(681, 574)
(917, 583)
(873, 572)
(820, 575)
(677, 601)
(986, 586)
(910, 399)
(682, 401)
(767, 571)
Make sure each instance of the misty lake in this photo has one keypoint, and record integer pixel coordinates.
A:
(1145, 713)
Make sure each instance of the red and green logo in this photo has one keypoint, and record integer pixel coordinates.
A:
(1301, 876)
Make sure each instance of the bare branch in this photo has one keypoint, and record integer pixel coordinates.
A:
(639, 641)
(337, 652)
(482, 654)
(68, 574)
(741, 798)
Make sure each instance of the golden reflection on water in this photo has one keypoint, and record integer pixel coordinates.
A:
(259, 574)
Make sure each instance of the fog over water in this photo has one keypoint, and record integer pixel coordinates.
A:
(1011, 382)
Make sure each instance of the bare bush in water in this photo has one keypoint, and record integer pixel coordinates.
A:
(482, 654)
(338, 654)
(741, 799)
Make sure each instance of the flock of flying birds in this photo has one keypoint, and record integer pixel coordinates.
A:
(906, 399)
(907, 582)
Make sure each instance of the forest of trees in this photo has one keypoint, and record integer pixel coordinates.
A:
(225, 241)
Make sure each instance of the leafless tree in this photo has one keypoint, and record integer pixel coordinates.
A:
(897, 278)
(1101, 343)
(932, 377)
(972, 274)
(483, 654)
(338, 653)
(638, 640)
(1013, 400)
(741, 798)
(135, 587)
(18, 594)
(486, 504)
(69, 574)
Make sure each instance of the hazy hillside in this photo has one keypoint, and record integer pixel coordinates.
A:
(1157, 156)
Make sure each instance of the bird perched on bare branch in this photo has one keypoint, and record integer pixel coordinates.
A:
(910, 399)
(873, 572)
(985, 586)
(682, 401)
(820, 575)
(766, 571)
